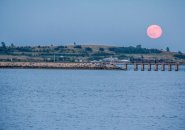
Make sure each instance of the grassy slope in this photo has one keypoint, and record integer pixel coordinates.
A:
(36, 52)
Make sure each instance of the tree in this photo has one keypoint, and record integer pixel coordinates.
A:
(12, 45)
(179, 52)
(167, 49)
(101, 49)
(78, 46)
(88, 49)
(139, 46)
(3, 44)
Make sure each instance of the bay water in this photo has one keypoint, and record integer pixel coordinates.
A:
(53, 99)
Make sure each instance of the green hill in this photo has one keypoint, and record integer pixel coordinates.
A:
(85, 53)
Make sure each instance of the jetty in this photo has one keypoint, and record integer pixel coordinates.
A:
(95, 65)
(59, 65)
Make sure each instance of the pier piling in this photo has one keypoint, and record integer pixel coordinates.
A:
(176, 67)
(149, 67)
(162, 67)
(169, 67)
(142, 67)
(156, 67)
(126, 67)
(135, 67)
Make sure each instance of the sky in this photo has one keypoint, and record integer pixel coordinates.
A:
(107, 22)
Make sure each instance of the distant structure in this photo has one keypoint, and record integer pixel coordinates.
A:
(111, 59)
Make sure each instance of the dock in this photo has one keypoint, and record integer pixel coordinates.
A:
(153, 66)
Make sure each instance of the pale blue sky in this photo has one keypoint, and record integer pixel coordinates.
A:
(110, 22)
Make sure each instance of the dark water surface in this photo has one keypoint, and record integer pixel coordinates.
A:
(40, 99)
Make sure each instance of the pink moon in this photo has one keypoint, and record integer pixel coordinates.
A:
(154, 31)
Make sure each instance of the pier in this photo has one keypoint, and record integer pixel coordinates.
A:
(152, 66)
(95, 65)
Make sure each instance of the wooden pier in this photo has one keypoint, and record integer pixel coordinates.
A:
(148, 66)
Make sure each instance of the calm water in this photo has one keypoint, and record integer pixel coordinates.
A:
(38, 99)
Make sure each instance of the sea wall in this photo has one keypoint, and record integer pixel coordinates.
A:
(57, 65)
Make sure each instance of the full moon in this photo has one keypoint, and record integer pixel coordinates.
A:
(154, 31)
